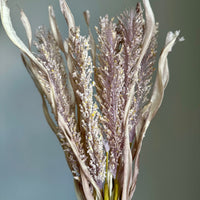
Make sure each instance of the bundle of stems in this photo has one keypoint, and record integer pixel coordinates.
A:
(102, 103)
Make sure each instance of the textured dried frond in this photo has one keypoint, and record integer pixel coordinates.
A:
(109, 78)
(55, 82)
(59, 99)
(88, 115)
(131, 29)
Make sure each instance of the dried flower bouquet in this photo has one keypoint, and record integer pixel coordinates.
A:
(101, 102)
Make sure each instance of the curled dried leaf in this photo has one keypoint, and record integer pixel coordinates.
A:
(86, 187)
(79, 191)
(67, 14)
(83, 166)
(54, 28)
(7, 24)
(92, 41)
(27, 27)
(155, 101)
(149, 29)
(162, 77)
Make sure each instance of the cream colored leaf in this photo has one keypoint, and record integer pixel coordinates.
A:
(85, 186)
(149, 30)
(79, 190)
(71, 25)
(54, 28)
(7, 24)
(0, 6)
(58, 38)
(92, 41)
(155, 101)
(140, 131)
(87, 17)
(32, 72)
(33, 75)
(127, 174)
(67, 14)
(48, 116)
(83, 167)
(162, 77)
(27, 27)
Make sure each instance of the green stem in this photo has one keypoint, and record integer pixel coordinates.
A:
(116, 189)
(106, 190)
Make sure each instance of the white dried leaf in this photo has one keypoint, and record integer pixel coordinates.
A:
(7, 24)
(85, 185)
(27, 27)
(155, 101)
(79, 190)
(67, 14)
(92, 41)
(54, 28)
(63, 126)
(162, 77)
(149, 30)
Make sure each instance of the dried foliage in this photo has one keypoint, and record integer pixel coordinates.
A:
(103, 102)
